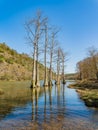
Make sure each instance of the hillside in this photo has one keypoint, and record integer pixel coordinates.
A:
(71, 76)
(15, 66)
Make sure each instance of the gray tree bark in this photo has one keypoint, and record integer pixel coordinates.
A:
(45, 56)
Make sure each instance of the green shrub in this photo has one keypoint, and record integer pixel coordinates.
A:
(13, 52)
(10, 60)
(1, 60)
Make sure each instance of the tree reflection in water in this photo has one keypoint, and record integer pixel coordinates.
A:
(52, 105)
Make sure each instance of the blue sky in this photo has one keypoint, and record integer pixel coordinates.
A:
(78, 20)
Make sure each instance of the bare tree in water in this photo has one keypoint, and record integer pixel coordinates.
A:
(38, 35)
(52, 50)
(58, 66)
(63, 61)
(34, 33)
(45, 54)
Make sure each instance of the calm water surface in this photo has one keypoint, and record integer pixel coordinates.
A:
(57, 108)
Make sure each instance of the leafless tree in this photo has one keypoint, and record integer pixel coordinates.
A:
(63, 61)
(38, 33)
(58, 66)
(93, 54)
(34, 33)
(45, 54)
(79, 70)
(52, 50)
(88, 67)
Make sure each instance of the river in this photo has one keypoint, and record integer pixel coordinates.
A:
(50, 108)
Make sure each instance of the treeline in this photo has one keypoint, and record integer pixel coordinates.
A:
(45, 48)
(88, 67)
(71, 76)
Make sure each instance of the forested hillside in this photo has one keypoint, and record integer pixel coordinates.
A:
(15, 66)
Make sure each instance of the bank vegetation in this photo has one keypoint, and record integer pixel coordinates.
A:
(87, 78)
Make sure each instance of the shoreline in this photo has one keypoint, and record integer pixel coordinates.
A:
(87, 91)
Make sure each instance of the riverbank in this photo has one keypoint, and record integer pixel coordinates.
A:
(44, 108)
(88, 91)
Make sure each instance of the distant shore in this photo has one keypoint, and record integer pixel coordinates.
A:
(88, 91)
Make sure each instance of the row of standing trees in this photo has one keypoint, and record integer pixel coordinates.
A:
(88, 68)
(43, 40)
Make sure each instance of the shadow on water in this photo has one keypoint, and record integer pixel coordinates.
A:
(56, 107)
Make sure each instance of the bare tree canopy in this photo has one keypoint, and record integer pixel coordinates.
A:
(43, 39)
(88, 68)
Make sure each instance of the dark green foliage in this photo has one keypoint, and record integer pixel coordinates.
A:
(13, 52)
(10, 60)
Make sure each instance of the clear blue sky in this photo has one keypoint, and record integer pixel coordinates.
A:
(78, 20)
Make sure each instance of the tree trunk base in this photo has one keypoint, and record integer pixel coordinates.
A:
(50, 83)
(37, 84)
(45, 84)
(63, 82)
(57, 83)
(33, 84)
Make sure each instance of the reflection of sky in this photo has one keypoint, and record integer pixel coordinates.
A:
(51, 103)
(78, 20)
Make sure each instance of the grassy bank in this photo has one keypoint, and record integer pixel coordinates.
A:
(88, 91)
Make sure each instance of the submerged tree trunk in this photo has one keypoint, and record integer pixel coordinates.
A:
(37, 75)
(33, 84)
(63, 66)
(53, 48)
(51, 58)
(37, 69)
(50, 72)
(34, 33)
(58, 68)
(63, 75)
(45, 57)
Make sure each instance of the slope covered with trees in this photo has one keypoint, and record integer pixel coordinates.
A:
(15, 66)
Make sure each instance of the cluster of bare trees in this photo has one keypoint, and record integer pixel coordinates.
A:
(88, 68)
(43, 41)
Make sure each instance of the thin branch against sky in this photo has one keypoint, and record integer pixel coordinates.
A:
(78, 20)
